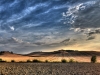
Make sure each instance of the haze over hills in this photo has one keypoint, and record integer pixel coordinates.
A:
(59, 53)
(65, 53)
(80, 56)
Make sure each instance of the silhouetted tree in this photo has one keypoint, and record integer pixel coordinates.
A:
(11, 52)
(93, 59)
(35, 60)
(28, 61)
(0, 60)
(63, 60)
(46, 61)
(12, 60)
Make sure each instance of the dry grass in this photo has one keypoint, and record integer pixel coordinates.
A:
(50, 59)
(49, 69)
(52, 56)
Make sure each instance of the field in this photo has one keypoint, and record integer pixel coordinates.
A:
(49, 69)
(80, 56)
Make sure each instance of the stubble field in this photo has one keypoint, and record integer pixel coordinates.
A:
(49, 69)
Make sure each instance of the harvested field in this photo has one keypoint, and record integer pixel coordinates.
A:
(49, 69)
(80, 56)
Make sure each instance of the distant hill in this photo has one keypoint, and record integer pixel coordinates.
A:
(64, 53)
(9, 54)
(59, 53)
(80, 56)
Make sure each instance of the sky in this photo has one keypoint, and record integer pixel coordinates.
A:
(48, 25)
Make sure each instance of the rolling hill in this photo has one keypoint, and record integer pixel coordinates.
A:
(80, 56)
(64, 53)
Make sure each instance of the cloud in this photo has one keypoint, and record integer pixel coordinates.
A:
(65, 41)
(30, 13)
(44, 24)
(91, 38)
(87, 17)
(12, 28)
(10, 41)
(82, 14)
(97, 31)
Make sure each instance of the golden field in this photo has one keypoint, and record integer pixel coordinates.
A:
(56, 56)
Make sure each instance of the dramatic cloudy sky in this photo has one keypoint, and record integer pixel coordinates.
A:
(48, 25)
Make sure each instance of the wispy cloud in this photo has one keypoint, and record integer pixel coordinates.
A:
(44, 24)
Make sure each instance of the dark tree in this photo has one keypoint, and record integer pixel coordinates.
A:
(93, 59)
(46, 61)
(35, 60)
(11, 52)
(63, 60)
(12, 60)
(0, 60)
(28, 60)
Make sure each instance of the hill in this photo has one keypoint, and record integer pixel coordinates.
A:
(64, 53)
(80, 56)
(8, 56)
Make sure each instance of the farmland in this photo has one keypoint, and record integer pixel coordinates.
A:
(49, 69)
(80, 56)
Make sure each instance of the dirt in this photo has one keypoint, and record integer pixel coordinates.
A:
(49, 69)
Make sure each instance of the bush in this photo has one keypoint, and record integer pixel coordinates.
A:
(35, 60)
(0, 60)
(71, 60)
(28, 61)
(93, 59)
(12, 60)
(3, 61)
(11, 52)
(46, 61)
(63, 60)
